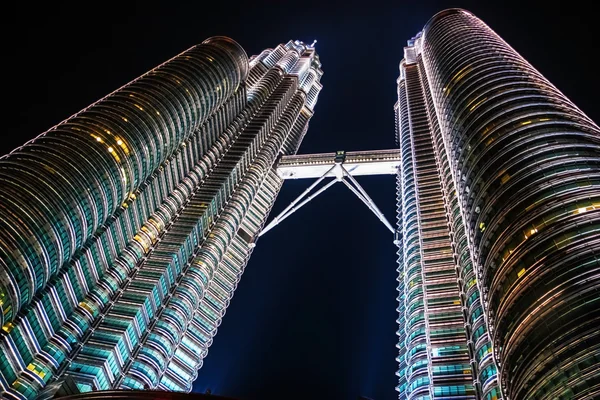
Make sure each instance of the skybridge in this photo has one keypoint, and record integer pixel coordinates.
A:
(341, 167)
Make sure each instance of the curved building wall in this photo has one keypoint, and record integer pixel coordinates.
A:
(36, 344)
(526, 165)
(61, 187)
(478, 339)
(138, 296)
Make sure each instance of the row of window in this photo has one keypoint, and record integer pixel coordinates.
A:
(524, 160)
(208, 314)
(146, 236)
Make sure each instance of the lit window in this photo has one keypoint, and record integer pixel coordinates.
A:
(8, 327)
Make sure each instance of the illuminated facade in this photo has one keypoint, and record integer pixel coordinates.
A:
(499, 211)
(125, 229)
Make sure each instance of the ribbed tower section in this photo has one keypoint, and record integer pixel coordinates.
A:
(436, 321)
(126, 228)
(519, 172)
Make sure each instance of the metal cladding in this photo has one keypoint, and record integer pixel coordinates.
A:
(62, 186)
(126, 228)
(494, 152)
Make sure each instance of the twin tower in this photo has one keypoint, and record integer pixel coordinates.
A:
(125, 229)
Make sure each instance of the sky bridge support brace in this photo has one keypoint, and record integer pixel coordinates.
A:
(339, 174)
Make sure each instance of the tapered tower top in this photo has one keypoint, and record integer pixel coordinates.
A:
(444, 13)
(235, 51)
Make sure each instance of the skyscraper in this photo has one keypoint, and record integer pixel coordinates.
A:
(125, 229)
(499, 214)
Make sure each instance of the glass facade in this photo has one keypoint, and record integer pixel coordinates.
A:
(499, 180)
(126, 228)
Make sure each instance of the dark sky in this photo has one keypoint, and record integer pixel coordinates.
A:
(314, 315)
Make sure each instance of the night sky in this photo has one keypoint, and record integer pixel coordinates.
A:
(314, 315)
